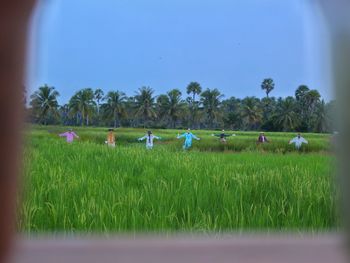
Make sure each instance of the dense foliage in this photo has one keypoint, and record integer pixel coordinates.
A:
(202, 109)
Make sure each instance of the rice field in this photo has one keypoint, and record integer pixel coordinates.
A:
(86, 187)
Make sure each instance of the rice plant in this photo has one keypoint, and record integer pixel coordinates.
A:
(240, 186)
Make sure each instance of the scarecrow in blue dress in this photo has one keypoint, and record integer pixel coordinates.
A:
(189, 136)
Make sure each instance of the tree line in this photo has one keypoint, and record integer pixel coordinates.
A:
(306, 111)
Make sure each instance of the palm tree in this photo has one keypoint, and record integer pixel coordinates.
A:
(233, 119)
(114, 106)
(312, 97)
(304, 112)
(251, 112)
(231, 112)
(193, 88)
(83, 103)
(144, 103)
(44, 103)
(99, 97)
(64, 113)
(302, 107)
(130, 111)
(210, 100)
(175, 105)
(301, 91)
(321, 117)
(268, 85)
(286, 116)
(162, 107)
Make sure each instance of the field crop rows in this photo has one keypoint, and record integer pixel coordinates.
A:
(88, 187)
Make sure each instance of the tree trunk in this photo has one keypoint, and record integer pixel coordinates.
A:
(83, 117)
(193, 122)
(77, 118)
(193, 109)
(98, 112)
(115, 119)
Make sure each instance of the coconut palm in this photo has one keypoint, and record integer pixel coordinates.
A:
(268, 85)
(232, 113)
(162, 106)
(302, 107)
(44, 103)
(286, 116)
(312, 97)
(144, 104)
(210, 100)
(64, 113)
(175, 106)
(194, 88)
(304, 112)
(83, 103)
(115, 106)
(321, 117)
(268, 107)
(307, 102)
(251, 112)
(99, 97)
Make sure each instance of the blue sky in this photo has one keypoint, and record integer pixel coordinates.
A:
(231, 45)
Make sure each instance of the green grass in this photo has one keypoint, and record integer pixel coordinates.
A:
(243, 141)
(87, 187)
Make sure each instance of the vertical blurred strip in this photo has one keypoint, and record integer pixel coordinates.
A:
(14, 22)
(337, 14)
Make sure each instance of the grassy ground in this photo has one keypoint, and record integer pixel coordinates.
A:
(243, 141)
(87, 187)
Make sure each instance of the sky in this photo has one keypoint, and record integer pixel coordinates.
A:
(231, 45)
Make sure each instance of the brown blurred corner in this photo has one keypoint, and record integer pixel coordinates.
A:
(14, 22)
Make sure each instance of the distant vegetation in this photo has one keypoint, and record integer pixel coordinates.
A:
(201, 109)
